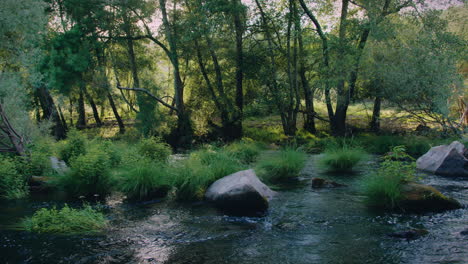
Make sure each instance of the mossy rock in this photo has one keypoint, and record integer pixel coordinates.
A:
(420, 198)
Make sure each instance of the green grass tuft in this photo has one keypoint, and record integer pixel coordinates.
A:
(281, 166)
(145, 180)
(66, 221)
(154, 149)
(342, 159)
(244, 151)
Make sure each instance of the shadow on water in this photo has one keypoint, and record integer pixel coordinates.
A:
(302, 226)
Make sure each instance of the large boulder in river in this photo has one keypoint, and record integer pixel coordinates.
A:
(448, 160)
(241, 193)
(420, 198)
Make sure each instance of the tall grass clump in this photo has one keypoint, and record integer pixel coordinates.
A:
(154, 149)
(89, 175)
(12, 183)
(281, 166)
(73, 146)
(66, 221)
(341, 159)
(193, 176)
(145, 180)
(383, 188)
(244, 151)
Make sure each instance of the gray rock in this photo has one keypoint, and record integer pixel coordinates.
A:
(318, 183)
(409, 234)
(447, 160)
(58, 166)
(241, 193)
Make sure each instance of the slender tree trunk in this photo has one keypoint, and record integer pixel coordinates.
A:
(239, 28)
(339, 122)
(62, 118)
(50, 112)
(184, 131)
(116, 113)
(94, 108)
(81, 124)
(375, 121)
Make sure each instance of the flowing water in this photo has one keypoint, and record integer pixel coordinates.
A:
(302, 226)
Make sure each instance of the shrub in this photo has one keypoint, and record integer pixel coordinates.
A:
(342, 159)
(89, 175)
(265, 135)
(191, 179)
(74, 146)
(281, 166)
(380, 144)
(154, 149)
(193, 176)
(145, 179)
(114, 154)
(66, 221)
(39, 160)
(383, 189)
(244, 151)
(12, 184)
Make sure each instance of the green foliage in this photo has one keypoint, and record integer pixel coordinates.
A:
(89, 175)
(112, 151)
(193, 176)
(266, 135)
(281, 166)
(244, 151)
(74, 146)
(341, 159)
(145, 180)
(66, 221)
(154, 149)
(12, 184)
(383, 189)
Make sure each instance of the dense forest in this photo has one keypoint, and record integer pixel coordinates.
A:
(153, 99)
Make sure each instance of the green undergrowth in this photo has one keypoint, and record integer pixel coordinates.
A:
(12, 183)
(145, 179)
(341, 159)
(383, 188)
(192, 176)
(281, 166)
(66, 220)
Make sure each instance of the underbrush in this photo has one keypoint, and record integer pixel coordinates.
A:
(66, 221)
(191, 177)
(154, 149)
(144, 180)
(281, 166)
(245, 151)
(12, 183)
(341, 159)
(89, 175)
(383, 188)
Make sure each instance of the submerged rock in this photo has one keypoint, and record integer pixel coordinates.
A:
(464, 232)
(420, 198)
(59, 166)
(448, 160)
(241, 193)
(409, 234)
(322, 183)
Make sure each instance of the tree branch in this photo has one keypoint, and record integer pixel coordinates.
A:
(150, 94)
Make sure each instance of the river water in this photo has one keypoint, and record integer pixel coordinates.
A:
(302, 226)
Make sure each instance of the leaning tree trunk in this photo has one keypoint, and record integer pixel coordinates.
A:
(10, 140)
(49, 111)
(375, 121)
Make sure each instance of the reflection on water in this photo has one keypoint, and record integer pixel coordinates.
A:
(303, 226)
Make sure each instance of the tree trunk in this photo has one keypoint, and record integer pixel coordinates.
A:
(184, 132)
(81, 124)
(10, 140)
(375, 121)
(239, 28)
(50, 112)
(94, 108)
(116, 113)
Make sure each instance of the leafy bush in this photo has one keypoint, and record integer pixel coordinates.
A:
(39, 160)
(89, 175)
(265, 135)
(66, 221)
(114, 154)
(342, 159)
(193, 176)
(74, 146)
(145, 179)
(383, 189)
(12, 184)
(281, 166)
(244, 151)
(154, 149)
(380, 144)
